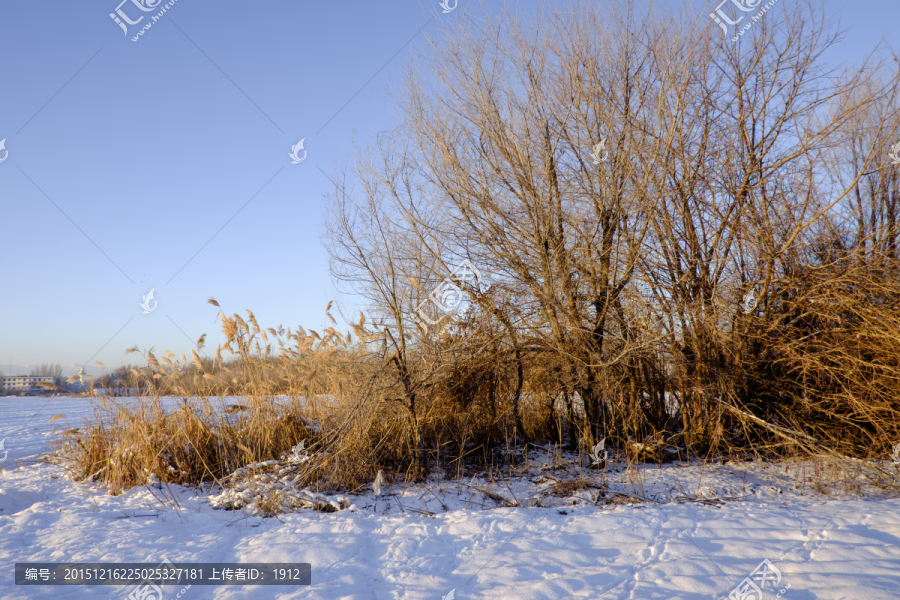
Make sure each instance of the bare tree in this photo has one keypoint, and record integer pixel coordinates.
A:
(47, 370)
(625, 185)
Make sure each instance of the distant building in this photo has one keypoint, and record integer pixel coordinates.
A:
(77, 385)
(16, 385)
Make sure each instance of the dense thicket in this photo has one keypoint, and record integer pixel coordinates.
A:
(676, 234)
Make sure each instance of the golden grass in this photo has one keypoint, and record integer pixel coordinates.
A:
(200, 420)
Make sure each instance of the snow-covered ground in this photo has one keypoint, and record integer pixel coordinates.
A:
(704, 531)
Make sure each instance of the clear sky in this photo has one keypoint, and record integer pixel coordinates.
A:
(163, 163)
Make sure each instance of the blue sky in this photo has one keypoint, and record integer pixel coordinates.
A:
(163, 163)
